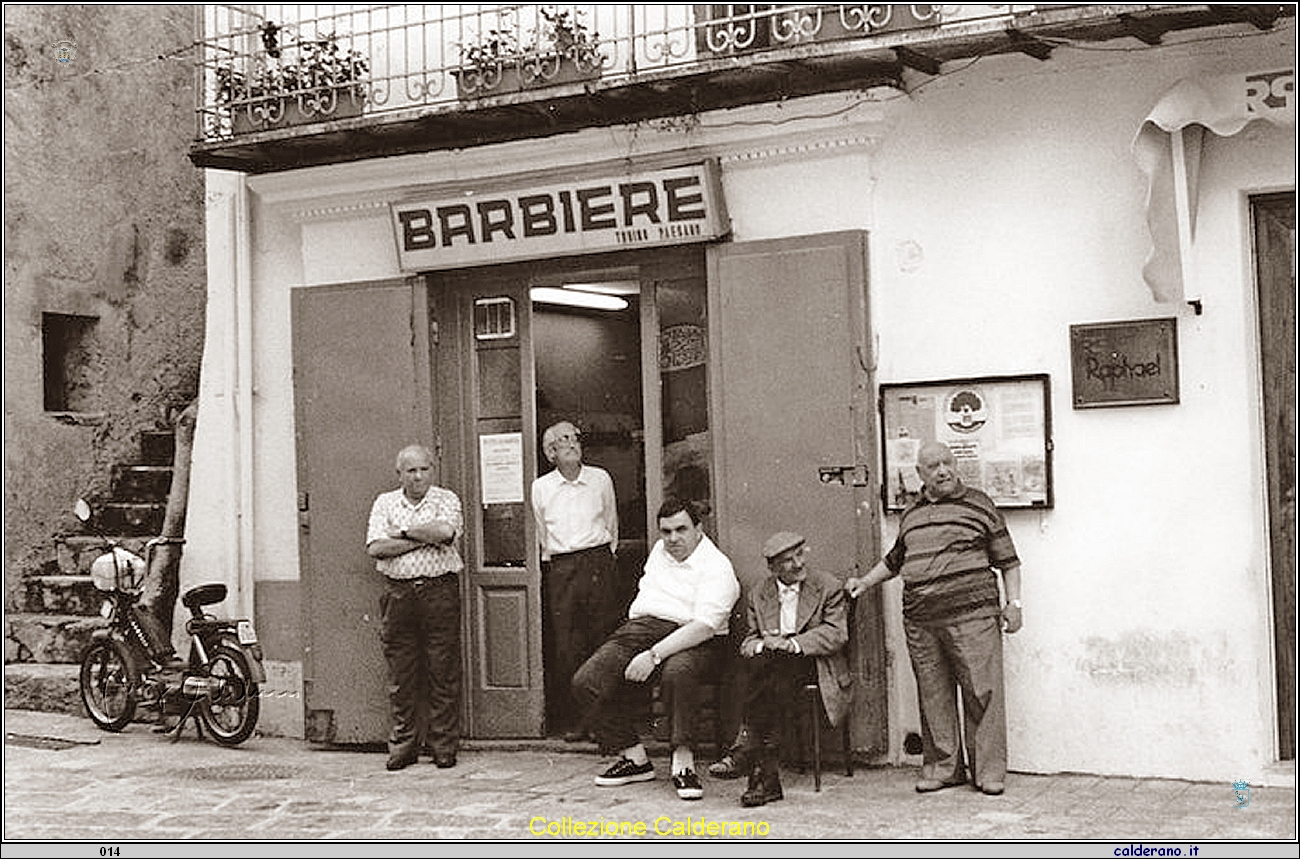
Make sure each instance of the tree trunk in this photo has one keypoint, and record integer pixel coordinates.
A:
(162, 581)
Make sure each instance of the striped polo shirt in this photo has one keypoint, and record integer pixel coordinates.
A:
(944, 552)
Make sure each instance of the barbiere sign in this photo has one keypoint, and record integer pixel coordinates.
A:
(664, 207)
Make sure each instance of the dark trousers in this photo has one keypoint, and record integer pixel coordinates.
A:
(579, 594)
(420, 630)
(773, 684)
(614, 708)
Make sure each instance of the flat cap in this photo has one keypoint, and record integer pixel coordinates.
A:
(781, 541)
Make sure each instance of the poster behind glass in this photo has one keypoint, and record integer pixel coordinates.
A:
(998, 429)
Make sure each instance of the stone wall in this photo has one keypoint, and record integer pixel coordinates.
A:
(103, 220)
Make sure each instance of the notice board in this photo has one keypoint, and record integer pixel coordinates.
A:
(998, 428)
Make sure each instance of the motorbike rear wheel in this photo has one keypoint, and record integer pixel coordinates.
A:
(230, 713)
(108, 683)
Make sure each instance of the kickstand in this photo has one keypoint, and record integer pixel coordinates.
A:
(180, 724)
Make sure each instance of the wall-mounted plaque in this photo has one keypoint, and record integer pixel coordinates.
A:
(1124, 363)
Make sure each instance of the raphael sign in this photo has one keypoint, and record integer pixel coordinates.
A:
(663, 207)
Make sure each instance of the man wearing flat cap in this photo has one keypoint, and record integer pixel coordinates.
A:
(796, 629)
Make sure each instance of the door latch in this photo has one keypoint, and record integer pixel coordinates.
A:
(842, 475)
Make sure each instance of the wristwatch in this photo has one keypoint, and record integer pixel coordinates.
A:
(654, 654)
(405, 536)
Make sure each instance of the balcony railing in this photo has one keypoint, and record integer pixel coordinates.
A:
(267, 67)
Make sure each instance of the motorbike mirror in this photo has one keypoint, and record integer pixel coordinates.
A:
(82, 510)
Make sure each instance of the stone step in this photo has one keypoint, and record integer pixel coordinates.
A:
(157, 447)
(65, 595)
(142, 483)
(44, 687)
(77, 552)
(48, 637)
(132, 519)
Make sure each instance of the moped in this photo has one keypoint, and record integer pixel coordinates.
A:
(125, 666)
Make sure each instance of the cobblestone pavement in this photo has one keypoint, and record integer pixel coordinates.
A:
(70, 784)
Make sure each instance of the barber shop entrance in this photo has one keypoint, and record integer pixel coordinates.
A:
(770, 426)
(736, 374)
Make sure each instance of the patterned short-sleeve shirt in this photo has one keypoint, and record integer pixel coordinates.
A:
(944, 554)
(393, 511)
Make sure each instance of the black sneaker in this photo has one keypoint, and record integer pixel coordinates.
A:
(623, 771)
(688, 785)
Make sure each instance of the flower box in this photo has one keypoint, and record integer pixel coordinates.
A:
(288, 110)
(528, 74)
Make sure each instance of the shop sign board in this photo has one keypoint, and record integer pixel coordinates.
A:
(1128, 363)
(673, 206)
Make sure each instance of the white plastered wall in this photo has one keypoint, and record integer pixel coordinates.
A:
(1003, 205)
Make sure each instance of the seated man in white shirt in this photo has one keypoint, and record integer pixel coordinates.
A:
(676, 630)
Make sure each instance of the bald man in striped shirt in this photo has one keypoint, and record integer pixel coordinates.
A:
(952, 544)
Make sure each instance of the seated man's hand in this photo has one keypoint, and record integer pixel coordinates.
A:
(778, 644)
(640, 668)
(854, 587)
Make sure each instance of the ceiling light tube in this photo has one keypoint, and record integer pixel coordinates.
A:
(576, 298)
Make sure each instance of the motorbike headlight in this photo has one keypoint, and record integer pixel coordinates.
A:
(106, 610)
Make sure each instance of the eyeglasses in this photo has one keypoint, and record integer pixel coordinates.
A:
(575, 437)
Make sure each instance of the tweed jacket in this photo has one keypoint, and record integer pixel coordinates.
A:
(822, 630)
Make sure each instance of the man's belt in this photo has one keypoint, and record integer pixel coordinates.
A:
(602, 547)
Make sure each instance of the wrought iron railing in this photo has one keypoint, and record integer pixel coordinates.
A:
(266, 67)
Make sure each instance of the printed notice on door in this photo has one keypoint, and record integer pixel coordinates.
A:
(997, 430)
(501, 467)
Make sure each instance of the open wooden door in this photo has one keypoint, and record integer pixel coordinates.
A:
(489, 427)
(361, 394)
(793, 416)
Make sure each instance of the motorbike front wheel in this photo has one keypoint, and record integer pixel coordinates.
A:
(108, 684)
(230, 711)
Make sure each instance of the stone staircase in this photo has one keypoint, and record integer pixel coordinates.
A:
(45, 638)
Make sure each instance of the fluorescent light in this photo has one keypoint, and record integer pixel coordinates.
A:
(577, 298)
(609, 287)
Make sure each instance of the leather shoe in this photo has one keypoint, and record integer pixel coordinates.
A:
(993, 788)
(444, 762)
(930, 785)
(726, 767)
(400, 761)
(764, 787)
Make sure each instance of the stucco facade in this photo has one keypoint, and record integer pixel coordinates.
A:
(103, 221)
(1003, 204)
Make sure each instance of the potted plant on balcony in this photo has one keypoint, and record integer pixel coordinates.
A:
(317, 81)
(561, 50)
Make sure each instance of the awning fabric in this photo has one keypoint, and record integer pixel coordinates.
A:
(1168, 150)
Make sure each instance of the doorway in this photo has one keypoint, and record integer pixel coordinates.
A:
(1273, 225)
(509, 366)
(587, 371)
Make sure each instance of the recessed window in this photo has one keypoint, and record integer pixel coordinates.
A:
(69, 349)
(494, 318)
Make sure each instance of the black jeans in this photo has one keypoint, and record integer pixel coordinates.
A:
(421, 635)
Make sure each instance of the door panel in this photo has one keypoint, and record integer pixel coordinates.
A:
(488, 424)
(793, 423)
(361, 393)
(1275, 248)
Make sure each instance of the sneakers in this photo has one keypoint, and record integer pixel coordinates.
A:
(687, 785)
(623, 771)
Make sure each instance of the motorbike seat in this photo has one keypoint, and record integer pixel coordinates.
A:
(202, 595)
